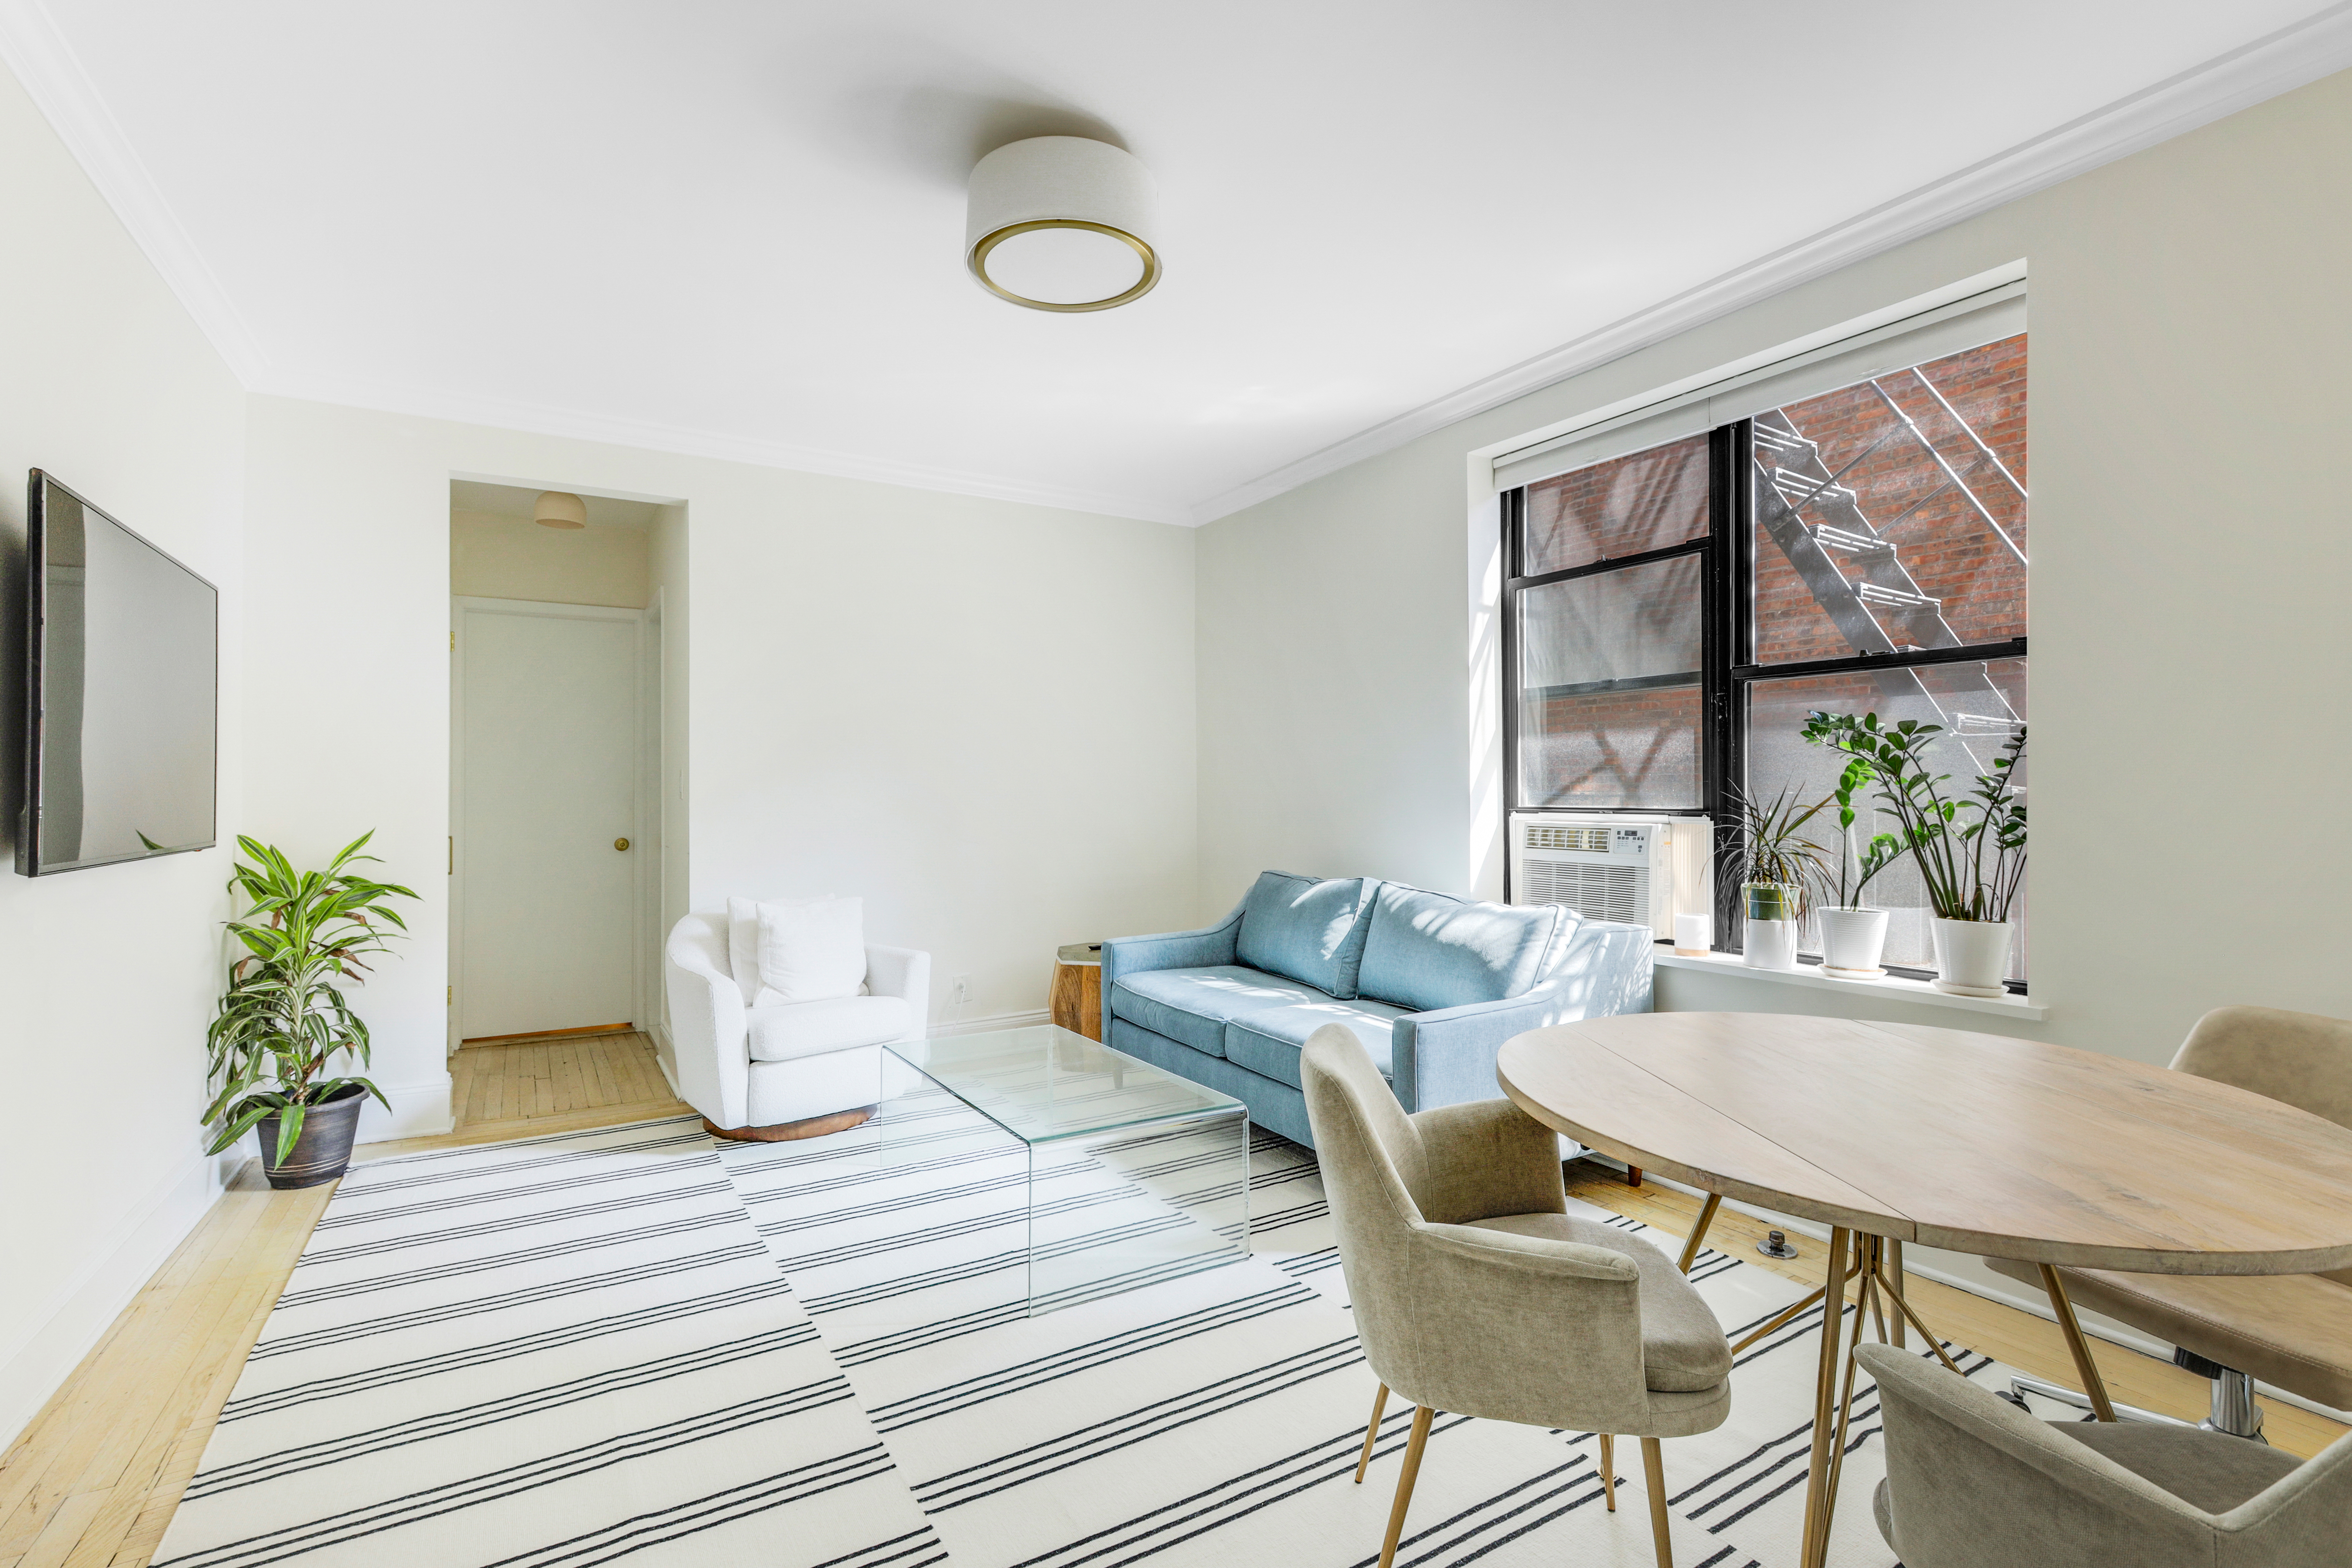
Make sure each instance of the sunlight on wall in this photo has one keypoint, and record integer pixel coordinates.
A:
(1485, 537)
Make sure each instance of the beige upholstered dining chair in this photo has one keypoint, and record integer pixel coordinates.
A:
(2291, 1331)
(1974, 1482)
(1475, 1292)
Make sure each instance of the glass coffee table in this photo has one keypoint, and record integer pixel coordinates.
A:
(1121, 1174)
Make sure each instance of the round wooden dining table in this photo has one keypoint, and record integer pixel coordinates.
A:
(1889, 1133)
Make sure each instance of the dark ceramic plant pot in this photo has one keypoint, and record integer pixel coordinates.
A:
(322, 1150)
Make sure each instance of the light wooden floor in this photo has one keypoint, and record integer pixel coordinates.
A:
(2029, 1343)
(517, 1090)
(92, 1481)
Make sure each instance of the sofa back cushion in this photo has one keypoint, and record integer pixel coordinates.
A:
(1306, 928)
(1426, 951)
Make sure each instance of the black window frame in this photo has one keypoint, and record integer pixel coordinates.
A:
(1728, 666)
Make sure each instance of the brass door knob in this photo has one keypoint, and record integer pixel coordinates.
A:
(620, 844)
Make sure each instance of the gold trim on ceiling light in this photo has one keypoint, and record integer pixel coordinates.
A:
(978, 261)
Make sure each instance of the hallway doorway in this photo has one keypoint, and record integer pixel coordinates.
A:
(555, 764)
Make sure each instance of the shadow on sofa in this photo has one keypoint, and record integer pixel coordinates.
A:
(1433, 986)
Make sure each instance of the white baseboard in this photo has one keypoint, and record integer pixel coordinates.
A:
(86, 1306)
(943, 1028)
(420, 1108)
(1962, 1272)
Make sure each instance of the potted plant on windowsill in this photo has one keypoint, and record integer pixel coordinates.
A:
(1853, 936)
(283, 1017)
(1777, 869)
(1973, 869)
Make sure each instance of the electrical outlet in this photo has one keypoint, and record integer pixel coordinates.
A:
(958, 989)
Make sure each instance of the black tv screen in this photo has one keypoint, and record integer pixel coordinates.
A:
(122, 677)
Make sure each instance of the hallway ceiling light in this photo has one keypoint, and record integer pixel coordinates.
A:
(561, 509)
(1062, 223)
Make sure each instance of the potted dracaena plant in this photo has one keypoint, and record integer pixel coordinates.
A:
(1853, 936)
(1973, 866)
(285, 1017)
(1778, 870)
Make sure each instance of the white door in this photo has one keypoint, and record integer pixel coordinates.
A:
(547, 742)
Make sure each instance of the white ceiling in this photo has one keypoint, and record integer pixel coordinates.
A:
(735, 228)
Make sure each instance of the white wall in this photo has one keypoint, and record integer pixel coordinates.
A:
(107, 976)
(976, 714)
(2190, 323)
(670, 597)
(495, 557)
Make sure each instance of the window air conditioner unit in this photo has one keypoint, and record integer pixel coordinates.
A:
(1641, 870)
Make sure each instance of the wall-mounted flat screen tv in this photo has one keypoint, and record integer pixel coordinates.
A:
(122, 668)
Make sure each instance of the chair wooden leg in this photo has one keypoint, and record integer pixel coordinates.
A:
(1654, 1471)
(1609, 1471)
(1373, 1432)
(1412, 1472)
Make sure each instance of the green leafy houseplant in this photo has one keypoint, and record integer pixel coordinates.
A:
(1857, 864)
(1973, 869)
(285, 1017)
(1779, 869)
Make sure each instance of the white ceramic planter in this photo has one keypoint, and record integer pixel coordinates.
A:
(1852, 942)
(1972, 957)
(1770, 945)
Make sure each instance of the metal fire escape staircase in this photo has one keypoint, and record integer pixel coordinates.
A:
(1856, 574)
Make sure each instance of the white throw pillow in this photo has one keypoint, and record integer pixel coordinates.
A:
(811, 950)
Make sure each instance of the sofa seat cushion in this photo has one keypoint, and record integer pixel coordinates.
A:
(1426, 951)
(794, 1029)
(1195, 1004)
(1267, 1042)
(1682, 1347)
(1306, 928)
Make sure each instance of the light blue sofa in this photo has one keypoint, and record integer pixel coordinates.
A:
(1431, 985)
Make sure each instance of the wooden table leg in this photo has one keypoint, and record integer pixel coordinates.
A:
(1698, 1231)
(1815, 1549)
(2076, 1346)
(1894, 1268)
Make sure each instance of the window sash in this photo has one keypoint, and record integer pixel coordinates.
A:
(1982, 318)
(1727, 622)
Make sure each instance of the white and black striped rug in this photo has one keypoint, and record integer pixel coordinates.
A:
(554, 1354)
(630, 1343)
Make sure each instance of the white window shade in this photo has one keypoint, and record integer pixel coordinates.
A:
(1963, 324)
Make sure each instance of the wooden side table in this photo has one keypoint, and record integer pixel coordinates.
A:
(1077, 989)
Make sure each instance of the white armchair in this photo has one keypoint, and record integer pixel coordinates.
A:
(791, 1071)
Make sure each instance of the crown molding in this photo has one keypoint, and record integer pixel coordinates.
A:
(647, 434)
(54, 78)
(2296, 54)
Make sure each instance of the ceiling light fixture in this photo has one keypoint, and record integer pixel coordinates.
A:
(1062, 223)
(560, 508)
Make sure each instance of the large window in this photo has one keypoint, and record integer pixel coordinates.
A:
(1673, 613)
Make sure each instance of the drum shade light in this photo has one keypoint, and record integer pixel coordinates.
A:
(561, 509)
(1062, 223)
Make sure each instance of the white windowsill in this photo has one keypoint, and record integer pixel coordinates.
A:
(1889, 986)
